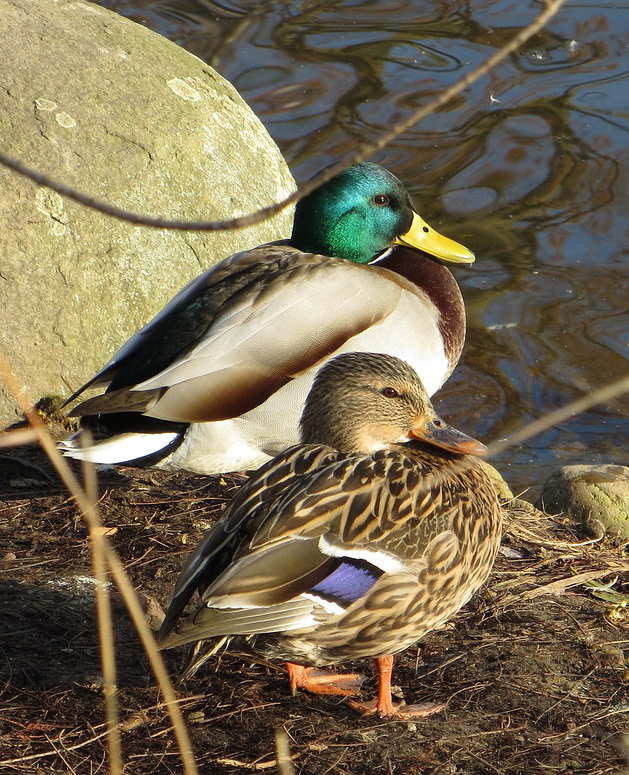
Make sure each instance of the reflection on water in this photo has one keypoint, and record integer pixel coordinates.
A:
(528, 168)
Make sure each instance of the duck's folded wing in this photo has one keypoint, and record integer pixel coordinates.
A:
(263, 336)
(327, 537)
(229, 538)
(187, 317)
(213, 623)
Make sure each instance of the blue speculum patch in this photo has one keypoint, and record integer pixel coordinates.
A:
(349, 580)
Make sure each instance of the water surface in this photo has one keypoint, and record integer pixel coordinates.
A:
(528, 169)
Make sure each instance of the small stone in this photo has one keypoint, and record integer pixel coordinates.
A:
(608, 655)
(134, 721)
(595, 496)
(510, 553)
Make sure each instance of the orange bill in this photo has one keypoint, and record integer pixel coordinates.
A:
(436, 431)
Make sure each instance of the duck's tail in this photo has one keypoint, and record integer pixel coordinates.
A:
(109, 443)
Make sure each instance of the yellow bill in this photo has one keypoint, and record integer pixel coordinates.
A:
(421, 236)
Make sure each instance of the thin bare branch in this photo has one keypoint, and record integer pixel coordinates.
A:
(17, 438)
(364, 152)
(600, 396)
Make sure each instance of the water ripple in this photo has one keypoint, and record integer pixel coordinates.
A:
(528, 167)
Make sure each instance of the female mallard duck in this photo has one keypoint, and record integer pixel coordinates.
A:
(356, 543)
(217, 380)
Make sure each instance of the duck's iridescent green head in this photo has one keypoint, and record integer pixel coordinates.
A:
(362, 212)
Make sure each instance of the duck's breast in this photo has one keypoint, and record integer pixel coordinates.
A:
(410, 333)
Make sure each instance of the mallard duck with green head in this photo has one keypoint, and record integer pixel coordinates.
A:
(217, 380)
(355, 543)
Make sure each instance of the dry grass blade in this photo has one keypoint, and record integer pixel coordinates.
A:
(559, 587)
(117, 570)
(105, 622)
(18, 438)
(35, 756)
(282, 749)
(364, 152)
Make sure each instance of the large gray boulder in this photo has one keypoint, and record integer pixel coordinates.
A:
(115, 110)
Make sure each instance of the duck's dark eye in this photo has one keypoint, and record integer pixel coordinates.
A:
(381, 199)
(389, 392)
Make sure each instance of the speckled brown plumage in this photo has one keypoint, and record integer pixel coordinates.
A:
(332, 551)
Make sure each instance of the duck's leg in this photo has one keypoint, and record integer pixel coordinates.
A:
(384, 705)
(318, 681)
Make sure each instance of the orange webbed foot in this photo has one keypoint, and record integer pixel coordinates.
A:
(384, 705)
(316, 681)
(396, 711)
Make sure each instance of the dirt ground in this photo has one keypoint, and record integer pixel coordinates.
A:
(534, 680)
